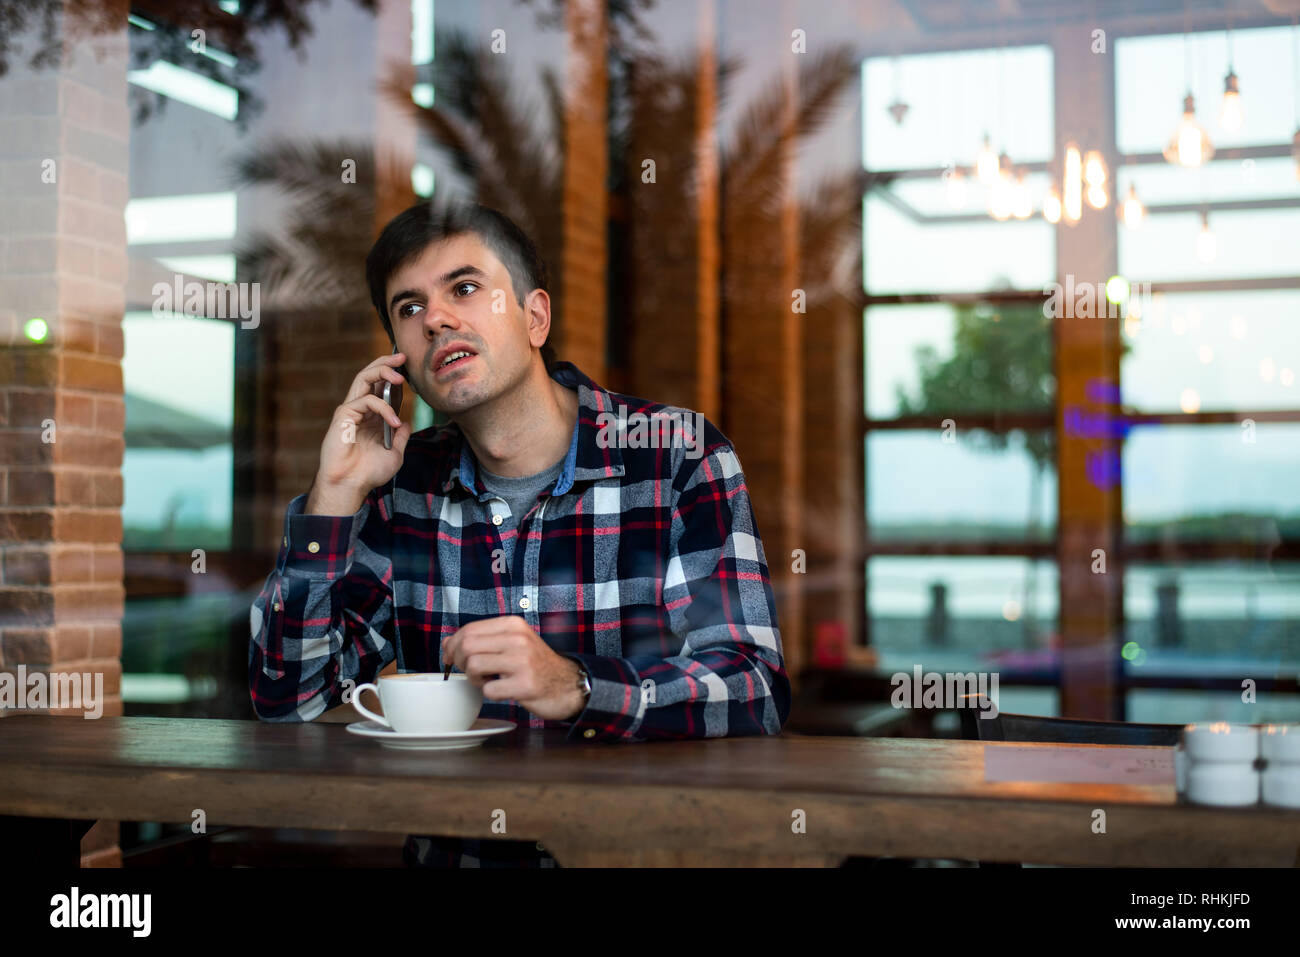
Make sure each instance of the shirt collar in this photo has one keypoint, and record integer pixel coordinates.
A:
(585, 461)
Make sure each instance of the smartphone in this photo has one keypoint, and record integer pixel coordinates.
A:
(393, 396)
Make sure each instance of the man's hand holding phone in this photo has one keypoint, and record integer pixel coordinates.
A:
(353, 459)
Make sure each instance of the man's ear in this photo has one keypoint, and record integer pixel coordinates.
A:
(537, 307)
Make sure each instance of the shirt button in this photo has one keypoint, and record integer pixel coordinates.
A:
(523, 602)
(313, 547)
(540, 847)
(276, 606)
(589, 733)
(496, 519)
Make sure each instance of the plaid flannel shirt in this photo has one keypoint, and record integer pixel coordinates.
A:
(644, 564)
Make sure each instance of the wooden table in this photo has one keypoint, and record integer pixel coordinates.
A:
(729, 801)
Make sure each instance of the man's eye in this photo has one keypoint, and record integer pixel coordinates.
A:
(402, 310)
(461, 285)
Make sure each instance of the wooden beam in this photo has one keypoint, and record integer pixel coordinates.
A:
(585, 257)
(1089, 503)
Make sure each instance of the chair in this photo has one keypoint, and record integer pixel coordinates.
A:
(1029, 727)
(1036, 728)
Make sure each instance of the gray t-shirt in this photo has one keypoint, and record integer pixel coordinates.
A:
(520, 494)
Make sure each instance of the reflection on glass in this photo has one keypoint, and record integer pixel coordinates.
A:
(956, 98)
(1151, 80)
(1224, 179)
(1230, 347)
(186, 86)
(1212, 483)
(947, 613)
(942, 360)
(1250, 244)
(1213, 618)
(174, 650)
(1223, 619)
(177, 467)
(922, 487)
(979, 256)
(933, 196)
(1171, 706)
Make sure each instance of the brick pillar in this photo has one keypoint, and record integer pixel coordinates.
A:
(582, 273)
(762, 348)
(64, 130)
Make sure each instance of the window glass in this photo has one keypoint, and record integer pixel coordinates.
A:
(1154, 73)
(1214, 350)
(953, 100)
(942, 359)
(922, 486)
(905, 255)
(1212, 482)
(958, 612)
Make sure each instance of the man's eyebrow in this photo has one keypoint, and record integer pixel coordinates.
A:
(404, 294)
(466, 270)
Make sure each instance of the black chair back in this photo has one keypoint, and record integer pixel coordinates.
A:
(1034, 728)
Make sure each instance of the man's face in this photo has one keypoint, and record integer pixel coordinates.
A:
(441, 303)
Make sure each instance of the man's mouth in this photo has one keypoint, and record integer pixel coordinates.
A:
(454, 360)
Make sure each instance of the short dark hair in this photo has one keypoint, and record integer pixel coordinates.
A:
(413, 230)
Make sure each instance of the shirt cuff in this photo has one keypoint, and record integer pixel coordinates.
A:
(614, 710)
(319, 545)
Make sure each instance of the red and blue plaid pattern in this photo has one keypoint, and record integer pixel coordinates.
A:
(644, 564)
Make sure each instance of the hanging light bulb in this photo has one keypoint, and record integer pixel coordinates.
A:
(1230, 110)
(1094, 174)
(1072, 188)
(1094, 170)
(1052, 206)
(1207, 247)
(898, 109)
(956, 182)
(986, 163)
(1022, 203)
(1132, 212)
(1191, 145)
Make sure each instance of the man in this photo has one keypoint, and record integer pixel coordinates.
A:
(588, 566)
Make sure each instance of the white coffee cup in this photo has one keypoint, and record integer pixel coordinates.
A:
(423, 703)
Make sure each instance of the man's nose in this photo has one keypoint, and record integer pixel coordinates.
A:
(438, 318)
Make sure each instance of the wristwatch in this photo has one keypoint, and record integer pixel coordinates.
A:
(584, 681)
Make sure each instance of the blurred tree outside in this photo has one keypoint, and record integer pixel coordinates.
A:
(1001, 362)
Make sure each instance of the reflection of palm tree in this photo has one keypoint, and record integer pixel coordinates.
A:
(484, 132)
(316, 260)
(504, 154)
(494, 143)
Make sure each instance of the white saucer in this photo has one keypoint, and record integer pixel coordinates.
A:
(482, 729)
